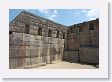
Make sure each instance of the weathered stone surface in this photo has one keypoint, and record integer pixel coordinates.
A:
(89, 55)
(11, 28)
(71, 56)
(83, 37)
(55, 40)
(37, 37)
(12, 63)
(33, 32)
(36, 40)
(32, 51)
(17, 51)
(61, 41)
(48, 59)
(28, 61)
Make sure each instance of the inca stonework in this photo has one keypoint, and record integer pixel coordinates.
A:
(82, 43)
(37, 41)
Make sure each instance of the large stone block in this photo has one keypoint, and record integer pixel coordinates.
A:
(73, 45)
(27, 37)
(32, 61)
(19, 29)
(33, 32)
(59, 57)
(48, 49)
(35, 43)
(40, 60)
(41, 51)
(28, 61)
(54, 35)
(37, 37)
(71, 56)
(33, 27)
(55, 40)
(18, 43)
(12, 63)
(12, 28)
(21, 62)
(66, 45)
(17, 51)
(48, 60)
(61, 41)
(36, 60)
(19, 24)
(89, 55)
(56, 47)
(44, 59)
(21, 36)
(46, 40)
(50, 40)
(32, 51)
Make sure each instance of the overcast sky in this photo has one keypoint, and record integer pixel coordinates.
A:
(63, 16)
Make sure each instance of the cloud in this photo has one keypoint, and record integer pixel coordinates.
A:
(55, 12)
(91, 14)
(44, 11)
(53, 15)
(49, 13)
(84, 11)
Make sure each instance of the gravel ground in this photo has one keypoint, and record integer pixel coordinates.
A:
(66, 65)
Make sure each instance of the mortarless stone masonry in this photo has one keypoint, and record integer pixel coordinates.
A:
(83, 38)
(36, 41)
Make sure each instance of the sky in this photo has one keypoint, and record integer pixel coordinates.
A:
(63, 16)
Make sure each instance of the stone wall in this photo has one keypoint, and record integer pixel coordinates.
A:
(34, 40)
(71, 56)
(81, 37)
(89, 55)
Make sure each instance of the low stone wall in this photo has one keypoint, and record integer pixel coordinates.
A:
(89, 55)
(71, 56)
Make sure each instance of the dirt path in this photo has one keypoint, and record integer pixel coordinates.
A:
(66, 65)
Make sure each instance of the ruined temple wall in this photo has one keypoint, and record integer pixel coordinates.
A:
(89, 55)
(29, 50)
(83, 37)
(34, 23)
(28, 47)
